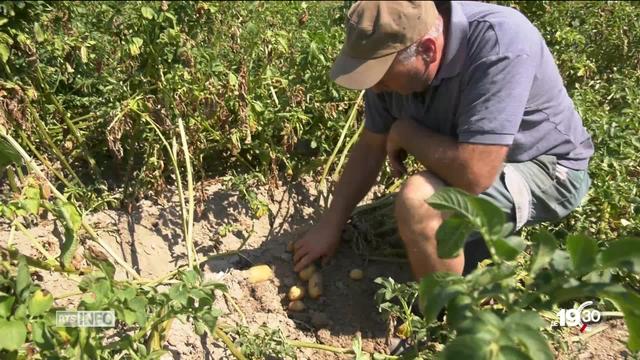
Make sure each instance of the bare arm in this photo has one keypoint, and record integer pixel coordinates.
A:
(360, 173)
(471, 167)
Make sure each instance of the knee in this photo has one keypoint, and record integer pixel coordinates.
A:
(410, 202)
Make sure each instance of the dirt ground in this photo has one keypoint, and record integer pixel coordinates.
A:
(150, 239)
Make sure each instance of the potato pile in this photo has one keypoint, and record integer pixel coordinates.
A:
(314, 285)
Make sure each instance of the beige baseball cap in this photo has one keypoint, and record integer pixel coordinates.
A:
(375, 32)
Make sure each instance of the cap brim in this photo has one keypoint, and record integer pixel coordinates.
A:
(359, 74)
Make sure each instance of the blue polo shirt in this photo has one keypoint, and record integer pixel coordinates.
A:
(497, 84)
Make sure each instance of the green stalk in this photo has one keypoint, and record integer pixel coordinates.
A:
(12, 234)
(333, 349)
(43, 160)
(13, 184)
(227, 341)
(69, 294)
(42, 131)
(34, 168)
(31, 261)
(345, 151)
(352, 116)
(130, 101)
(50, 259)
(185, 149)
(172, 155)
(72, 128)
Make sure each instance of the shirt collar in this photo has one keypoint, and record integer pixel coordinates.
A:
(455, 45)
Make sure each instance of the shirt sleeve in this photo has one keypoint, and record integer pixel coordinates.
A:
(377, 117)
(493, 102)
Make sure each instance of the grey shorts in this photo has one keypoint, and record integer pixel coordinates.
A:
(537, 191)
(540, 190)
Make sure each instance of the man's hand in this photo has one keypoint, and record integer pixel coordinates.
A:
(395, 152)
(320, 241)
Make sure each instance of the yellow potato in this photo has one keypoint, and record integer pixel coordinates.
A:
(296, 293)
(259, 273)
(315, 285)
(296, 305)
(307, 272)
(290, 246)
(356, 274)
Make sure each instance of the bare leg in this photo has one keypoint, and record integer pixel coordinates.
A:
(417, 225)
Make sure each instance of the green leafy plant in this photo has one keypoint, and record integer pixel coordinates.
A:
(509, 326)
(28, 314)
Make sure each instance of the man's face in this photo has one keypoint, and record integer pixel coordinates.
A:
(405, 77)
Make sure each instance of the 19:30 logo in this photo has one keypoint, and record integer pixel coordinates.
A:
(580, 316)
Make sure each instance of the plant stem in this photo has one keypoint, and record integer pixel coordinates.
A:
(43, 160)
(35, 243)
(34, 168)
(352, 116)
(227, 341)
(70, 294)
(317, 346)
(176, 169)
(11, 176)
(42, 130)
(12, 253)
(192, 256)
(12, 234)
(332, 349)
(236, 307)
(353, 139)
(72, 128)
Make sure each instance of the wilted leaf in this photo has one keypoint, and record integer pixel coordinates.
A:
(135, 45)
(105, 265)
(40, 303)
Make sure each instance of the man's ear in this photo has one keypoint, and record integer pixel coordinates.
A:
(427, 48)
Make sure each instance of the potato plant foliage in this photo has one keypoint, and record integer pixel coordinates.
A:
(28, 315)
(520, 286)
